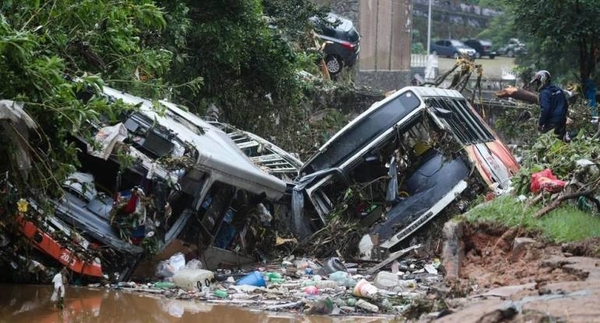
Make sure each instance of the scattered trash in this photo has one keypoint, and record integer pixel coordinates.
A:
(365, 289)
(323, 306)
(286, 286)
(220, 293)
(430, 268)
(386, 280)
(163, 285)
(343, 278)
(167, 268)
(254, 278)
(367, 306)
(193, 278)
(193, 264)
(546, 181)
(311, 290)
(332, 265)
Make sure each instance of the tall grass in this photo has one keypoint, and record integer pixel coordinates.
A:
(565, 224)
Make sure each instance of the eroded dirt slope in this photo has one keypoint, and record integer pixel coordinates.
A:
(510, 277)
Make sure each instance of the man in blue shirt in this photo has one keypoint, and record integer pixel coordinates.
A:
(553, 104)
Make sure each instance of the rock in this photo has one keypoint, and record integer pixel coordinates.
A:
(519, 248)
(453, 253)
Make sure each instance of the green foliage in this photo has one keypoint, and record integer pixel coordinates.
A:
(418, 48)
(45, 46)
(564, 34)
(247, 54)
(565, 224)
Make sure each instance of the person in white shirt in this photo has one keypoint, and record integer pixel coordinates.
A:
(58, 295)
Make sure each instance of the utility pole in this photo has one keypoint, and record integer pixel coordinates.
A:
(429, 29)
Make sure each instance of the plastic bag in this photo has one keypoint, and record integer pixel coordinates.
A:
(193, 264)
(167, 268)
(546, 181)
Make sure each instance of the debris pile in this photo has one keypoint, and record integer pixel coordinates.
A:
(304, 285)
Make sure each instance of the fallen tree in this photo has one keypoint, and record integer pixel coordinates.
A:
(518, 93)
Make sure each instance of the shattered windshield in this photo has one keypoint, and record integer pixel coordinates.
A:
(364, 131)
(457, 115)
(149, 136)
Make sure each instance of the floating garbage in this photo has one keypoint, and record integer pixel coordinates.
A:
(361, 303)
(193, 278)
(365, 289)
(343, 278)
(285, 287)
(386, 280)
(254, 278)
(332, 265)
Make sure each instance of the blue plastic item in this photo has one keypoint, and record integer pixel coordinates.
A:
(254, 278)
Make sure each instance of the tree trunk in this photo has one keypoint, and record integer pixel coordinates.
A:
(518, 93)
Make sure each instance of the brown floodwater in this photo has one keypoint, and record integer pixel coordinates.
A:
(31, 304)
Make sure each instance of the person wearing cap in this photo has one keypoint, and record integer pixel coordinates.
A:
(553, 104)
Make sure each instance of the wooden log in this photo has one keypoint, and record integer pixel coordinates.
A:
(518, 93)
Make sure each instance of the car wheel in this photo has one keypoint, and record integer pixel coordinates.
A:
(477, 55)
(456, 55)
(492, 56)
(334, 64)
(510, 53)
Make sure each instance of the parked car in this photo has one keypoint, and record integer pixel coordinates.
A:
(416, 152)
(482, 48)
(513, 48)
(451, 48)
(342, 42)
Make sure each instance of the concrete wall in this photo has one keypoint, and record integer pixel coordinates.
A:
(385, 27)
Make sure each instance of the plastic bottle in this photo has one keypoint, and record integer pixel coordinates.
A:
(220, 293)
(309, 283)
(193, 278)
(386, 280)
(361, 303)
(270, 275)
(321, 284)
(163, 285)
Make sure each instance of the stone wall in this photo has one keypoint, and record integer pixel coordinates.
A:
(384, 62)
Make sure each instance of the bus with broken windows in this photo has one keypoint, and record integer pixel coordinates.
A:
(410, 155)
(158, 181)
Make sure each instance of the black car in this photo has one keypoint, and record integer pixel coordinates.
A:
(482, 47)
(341, 41)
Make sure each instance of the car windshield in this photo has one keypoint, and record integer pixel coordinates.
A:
(457, 43)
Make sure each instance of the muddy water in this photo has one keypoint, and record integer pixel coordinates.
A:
(31, 304)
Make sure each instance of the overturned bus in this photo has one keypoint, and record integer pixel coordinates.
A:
(411, 155)
(151, 185)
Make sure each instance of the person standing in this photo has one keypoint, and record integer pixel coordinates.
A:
(553, 104)
(58, 281)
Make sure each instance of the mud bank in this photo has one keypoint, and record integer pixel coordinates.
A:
(510, 276)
